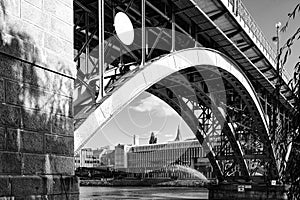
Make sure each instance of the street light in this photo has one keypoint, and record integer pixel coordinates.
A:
(277, 86)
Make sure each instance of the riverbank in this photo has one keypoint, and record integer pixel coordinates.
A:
(166, 193)
(144, 182)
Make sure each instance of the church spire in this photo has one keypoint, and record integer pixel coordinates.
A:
(178, 136)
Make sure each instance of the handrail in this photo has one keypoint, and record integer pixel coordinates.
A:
(239, 9)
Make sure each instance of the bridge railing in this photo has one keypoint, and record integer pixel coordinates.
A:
(239, 9)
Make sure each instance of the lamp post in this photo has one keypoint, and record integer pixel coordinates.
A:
(277, 86)
(277, 25)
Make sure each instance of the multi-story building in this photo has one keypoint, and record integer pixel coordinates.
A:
(86, 158)
(96, 158)
(163, 160)
(121, 151)
(177, 158)
(108, 159)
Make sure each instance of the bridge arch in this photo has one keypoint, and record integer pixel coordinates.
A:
(160, 69)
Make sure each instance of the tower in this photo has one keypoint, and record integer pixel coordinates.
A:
(178, 135)
(136, 140)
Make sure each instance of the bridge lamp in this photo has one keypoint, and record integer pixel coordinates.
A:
(124, 28)
(276, 38)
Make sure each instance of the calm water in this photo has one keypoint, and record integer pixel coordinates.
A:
(97, 193)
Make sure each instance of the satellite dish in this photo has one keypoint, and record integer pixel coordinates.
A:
(124, 28)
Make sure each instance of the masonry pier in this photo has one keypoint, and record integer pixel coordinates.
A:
(36, 85)
(247, 192)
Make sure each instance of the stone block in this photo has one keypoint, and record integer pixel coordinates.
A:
(59, 145)
(27, 95)
(2, 92)
(32, 142)
(33, 98)
(14, 93)
(36, 120)
(36, 98)
(65, 108)
(2, 139)
(71, 110)
(64, 86)
(63, 197)
(58, 45)
(62, 29)
(62, 125)
(20, 48)
(60, 64)
(60, 10)
(27, 185)
(12, 140)
(28, 31)
(45, 79)
(16, 70)
(58, 105)
(31, 74)
(61, 164)
(5, 188)
(64, 184)
(10, 68)
(68, 3)
(10, 116)
(37, 3)
(42, 187)
(33, 164)
(10, 163)
(11, 7)
(34, 15)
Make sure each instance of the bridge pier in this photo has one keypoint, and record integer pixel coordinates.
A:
(36, 115)
(247, 192)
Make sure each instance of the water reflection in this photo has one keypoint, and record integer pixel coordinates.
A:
(99, 193)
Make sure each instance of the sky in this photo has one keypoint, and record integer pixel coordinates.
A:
(267, 13)
(148, 114)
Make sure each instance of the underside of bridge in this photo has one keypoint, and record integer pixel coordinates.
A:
(206, 59)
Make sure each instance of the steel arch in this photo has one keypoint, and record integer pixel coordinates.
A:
(144, 78)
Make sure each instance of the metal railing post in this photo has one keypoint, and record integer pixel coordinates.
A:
(143, 33)
(101, 47)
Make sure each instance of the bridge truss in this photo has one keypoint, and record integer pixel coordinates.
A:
(238, 130)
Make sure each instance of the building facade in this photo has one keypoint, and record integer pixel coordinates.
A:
(182, 159)
(178, 159)
(121, 155)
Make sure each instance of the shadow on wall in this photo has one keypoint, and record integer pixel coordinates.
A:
(36, 117)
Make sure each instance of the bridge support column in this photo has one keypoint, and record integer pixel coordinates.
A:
(36, 84)
(247, 192)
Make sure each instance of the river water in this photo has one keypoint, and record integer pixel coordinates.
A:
(97, 193)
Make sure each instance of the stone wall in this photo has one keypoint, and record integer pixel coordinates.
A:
(36, 84)
(249, 192)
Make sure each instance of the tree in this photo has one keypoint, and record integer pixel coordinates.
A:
(153, 139)
(293, 165)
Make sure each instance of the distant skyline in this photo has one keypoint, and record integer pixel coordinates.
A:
(148, 114)
(144, 115)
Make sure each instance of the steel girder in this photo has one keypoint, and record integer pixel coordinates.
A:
(188, 116)
(200, 98)
(140, 80)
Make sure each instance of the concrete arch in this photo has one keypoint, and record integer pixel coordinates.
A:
(129, 88)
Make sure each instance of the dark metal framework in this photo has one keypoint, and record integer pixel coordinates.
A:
(104, 63)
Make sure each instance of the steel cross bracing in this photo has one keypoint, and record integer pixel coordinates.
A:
(214, 24)
(220, 119)
(212, 13)
(252, 147)
(183, 110)
(261, 160)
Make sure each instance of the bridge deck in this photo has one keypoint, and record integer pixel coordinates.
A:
(223, 25)
(236, 33)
